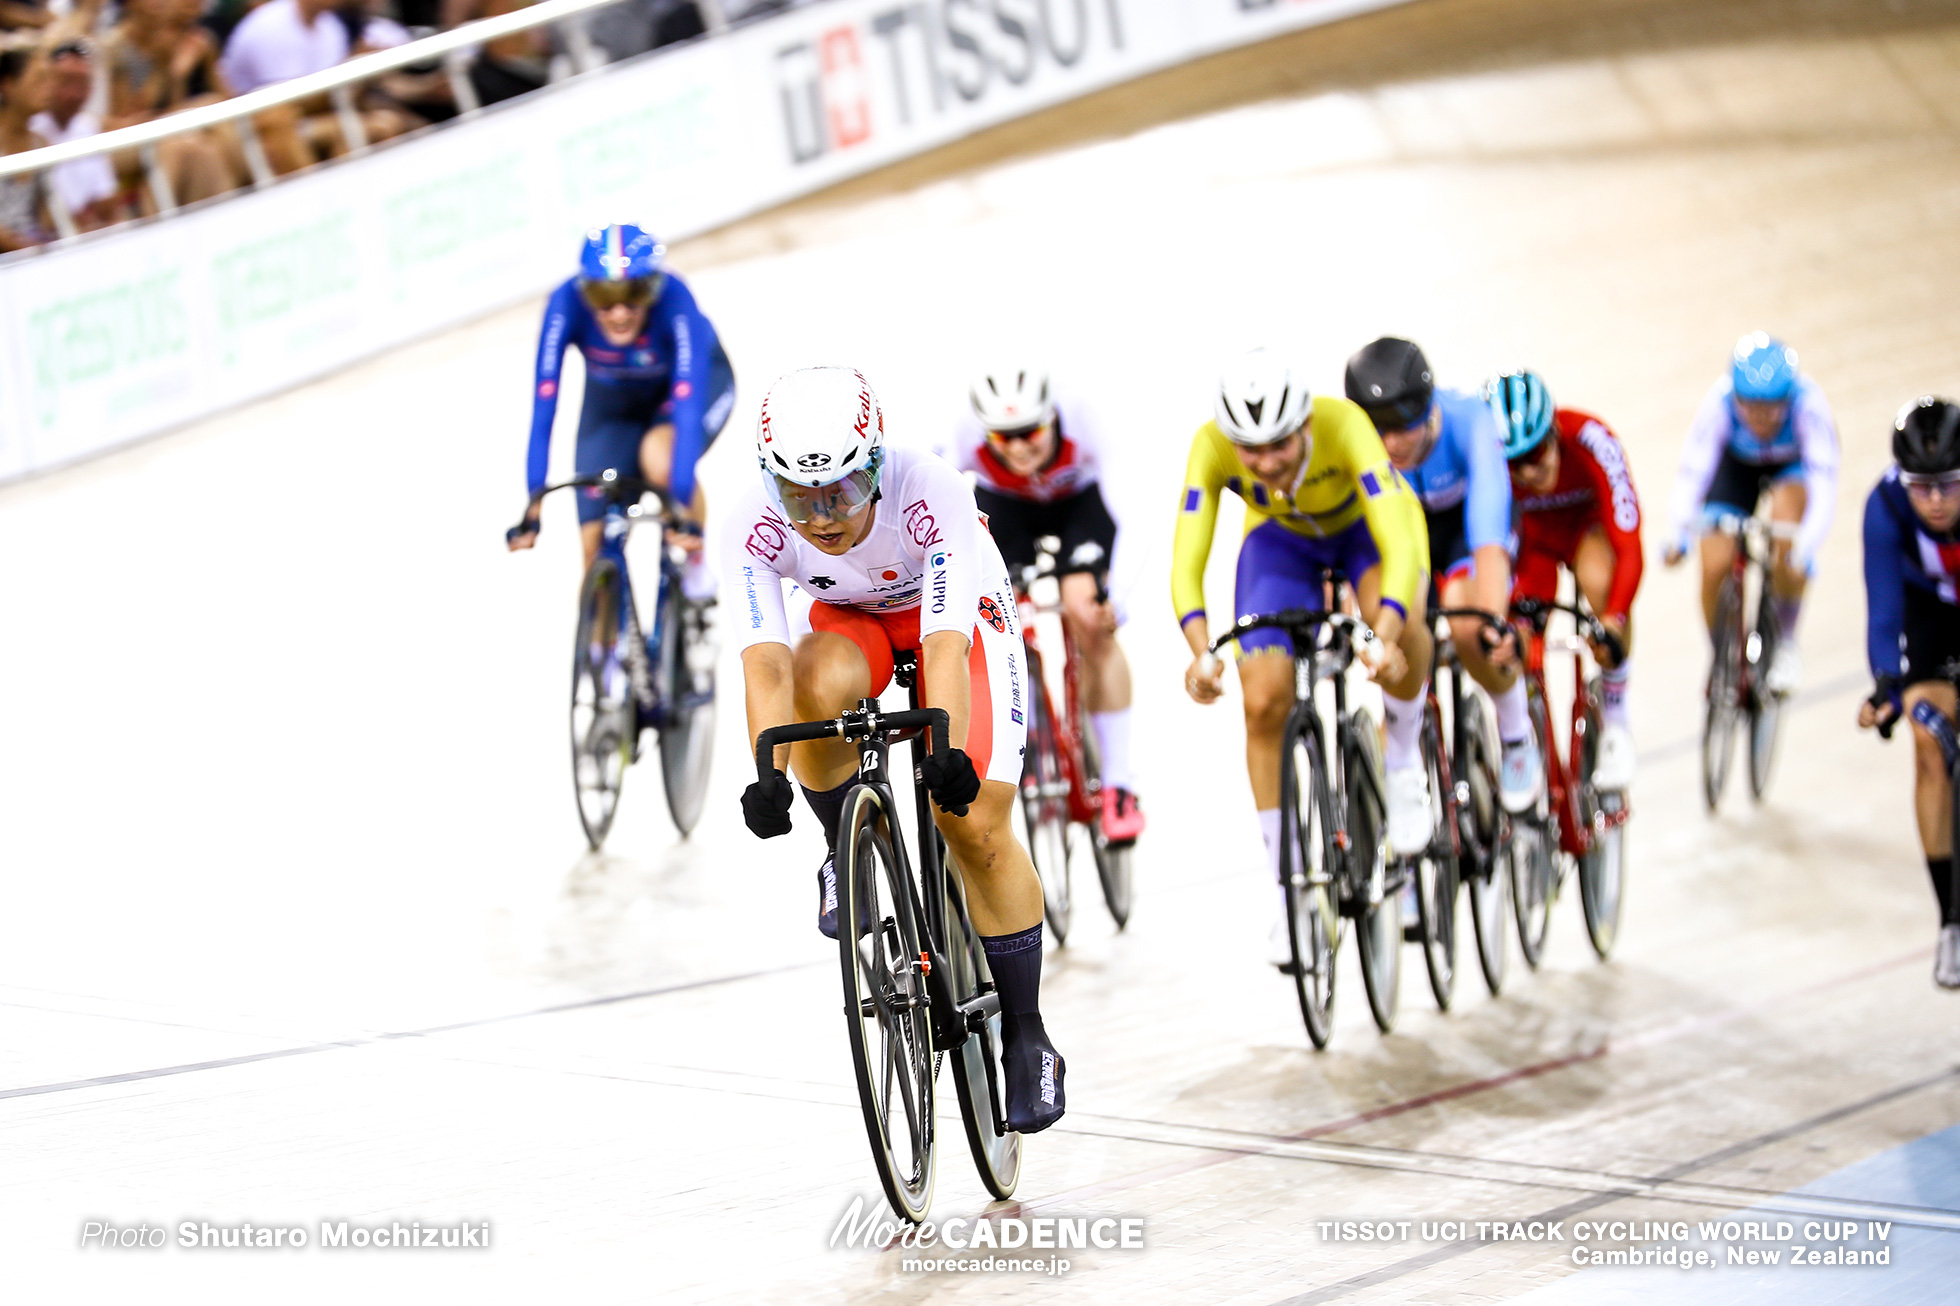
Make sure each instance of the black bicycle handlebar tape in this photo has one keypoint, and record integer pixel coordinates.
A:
(1616, 652)
(1290, 618)
(933, 720)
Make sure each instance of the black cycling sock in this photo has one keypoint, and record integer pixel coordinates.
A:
(1015, 960)
(1941, 869)
(828, 804)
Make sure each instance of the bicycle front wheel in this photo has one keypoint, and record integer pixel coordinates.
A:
(1724, 683)
(1436, 871)
(687, 723)
(980, 1077)
(605, 717)
(1534, 846)
(1307, 862)
(1044, 807)
(1765, 708)
(1377, 893)
(1481, 820)
(886, 1007)
(1602, 870)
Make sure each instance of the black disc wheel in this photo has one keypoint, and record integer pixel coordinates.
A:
(1534, 853)
(1765, 708)
(1437, 872)
(886, 1007)
(1602, 870)
(605, 717)
(1307, 862)
(1480, 821)
(1377, 892)
(1044, 810)
(687, 721)
(1112, 862)
(1724, 686)
(979, 1076)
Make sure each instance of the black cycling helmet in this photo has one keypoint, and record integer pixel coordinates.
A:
(1926, 437)
(1391, 381)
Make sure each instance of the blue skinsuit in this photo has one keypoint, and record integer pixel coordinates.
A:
(1464, 484)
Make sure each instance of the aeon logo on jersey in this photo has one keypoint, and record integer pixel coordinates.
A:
(920, 524)
(768, 537)
(902, 66)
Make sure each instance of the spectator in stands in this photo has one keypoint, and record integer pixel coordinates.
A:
(159, 63)
(636, 26)
(87, 188)
(508, 66)
(23, 207)
(283, 39)
(18, 15)
(423, 91)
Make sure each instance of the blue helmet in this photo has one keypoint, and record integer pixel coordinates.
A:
(1523, 408)
(1765, 370)
(622, 255)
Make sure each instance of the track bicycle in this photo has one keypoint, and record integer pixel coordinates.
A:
(1334, 865)
(623, 683)
(916, 981)
(1061, 783)
(1472, 841)
(1574, 823)
(1743, 650)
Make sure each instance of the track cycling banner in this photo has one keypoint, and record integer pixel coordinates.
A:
(162, 323)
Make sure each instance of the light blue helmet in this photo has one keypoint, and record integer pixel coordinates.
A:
(1523, 408)
(621, 254)
(1765, 370)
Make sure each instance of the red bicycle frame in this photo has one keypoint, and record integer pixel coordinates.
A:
(1084, 795)
(1562, 773)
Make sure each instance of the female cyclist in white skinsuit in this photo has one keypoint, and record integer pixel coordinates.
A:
(890, 545)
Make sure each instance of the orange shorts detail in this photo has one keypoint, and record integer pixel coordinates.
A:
(879, 635)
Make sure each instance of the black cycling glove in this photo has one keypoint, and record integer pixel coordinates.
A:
(951, 780)
(765, 805)
(1885, 692)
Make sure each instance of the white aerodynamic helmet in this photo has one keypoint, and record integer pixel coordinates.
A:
(1013, 397)
(821, 443)
(1260, 399)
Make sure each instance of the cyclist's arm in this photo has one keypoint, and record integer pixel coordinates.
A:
(769, 692)
(1817, 439)
(1699, 458)
(1395, 519)
(694, 347)
(943, 659)
(1619, 514)
(1487, 512)
(1885, 586)
(553, 336)
(1197, 519)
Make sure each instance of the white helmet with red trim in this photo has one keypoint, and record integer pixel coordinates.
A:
(1012, 397)
(821, 443)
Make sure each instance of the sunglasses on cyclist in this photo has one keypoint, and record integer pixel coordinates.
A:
(602, 295)
(1016, 435)
(837, 501)
(1931, 485)
(1524, 462)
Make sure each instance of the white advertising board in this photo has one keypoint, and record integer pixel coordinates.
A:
(134, 333)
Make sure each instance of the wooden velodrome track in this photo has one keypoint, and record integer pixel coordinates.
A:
(293, 921)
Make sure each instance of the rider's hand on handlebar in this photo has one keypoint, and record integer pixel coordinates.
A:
(685, 533)
(1882, 710)
(1500, 644)
(765, 805)
(951, 780)
(1387, 664)
(1674, 553)
(1611, 654)
(1204, 679)
(523, 535)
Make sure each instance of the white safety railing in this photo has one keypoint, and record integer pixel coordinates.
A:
(454, 49)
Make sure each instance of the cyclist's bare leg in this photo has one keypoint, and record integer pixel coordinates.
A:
(1266, 678)
(589, 535)
(1931, 785)
(1105, 671)
(829, 676)
(1787, 501)
(1593, 565)
(1489, 588)
(1002, 892)
(1717, 558)
(657, 465)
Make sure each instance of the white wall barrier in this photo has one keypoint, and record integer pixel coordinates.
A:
(112, 339)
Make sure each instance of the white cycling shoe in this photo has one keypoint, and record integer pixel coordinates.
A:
(1279, 948)
(1613, 771)
(1946, 958)
(1410, 820)
(1520, 776)
(1785, 669)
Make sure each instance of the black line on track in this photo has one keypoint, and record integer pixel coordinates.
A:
(584, 1004)
(1409, 1265)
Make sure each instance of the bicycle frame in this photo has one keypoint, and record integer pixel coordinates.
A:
(1576, 834)
(1084, 794)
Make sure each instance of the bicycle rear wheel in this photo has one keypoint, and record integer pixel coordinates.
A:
(1307, 862)
(1378, 892)
(886, 1007)
(1436, 872)
(687, 724)
(1112, 863)
(604, 715)
(1534, 845)
(1044, 808)
(980, 1078)
(1765, 708)
(1602, 870)
(1724, 678)
(1481, 820)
